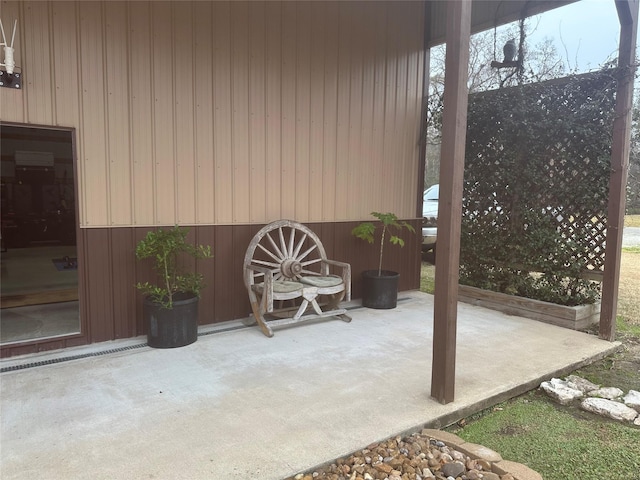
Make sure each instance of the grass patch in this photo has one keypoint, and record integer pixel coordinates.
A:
(626, 328)
(559, 443)
(428, 278)
(632, 220)
(629, 289)
(620, 369)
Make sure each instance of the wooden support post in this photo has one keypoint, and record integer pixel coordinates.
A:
(454, 127)
(628, 15)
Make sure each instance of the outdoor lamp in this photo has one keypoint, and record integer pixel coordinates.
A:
(7, 77)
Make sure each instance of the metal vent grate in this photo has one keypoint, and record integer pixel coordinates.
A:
(69, 358)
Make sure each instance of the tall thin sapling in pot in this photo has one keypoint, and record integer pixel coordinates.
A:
(366, 231)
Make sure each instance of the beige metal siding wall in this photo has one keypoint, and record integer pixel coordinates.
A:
(227, 112)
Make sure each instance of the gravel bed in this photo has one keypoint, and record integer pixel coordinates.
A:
(421, 456)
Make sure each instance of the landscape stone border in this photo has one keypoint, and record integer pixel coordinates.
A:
(498, 465)
(609, 402)
(412, 458)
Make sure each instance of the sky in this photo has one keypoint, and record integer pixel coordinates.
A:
(586, 33)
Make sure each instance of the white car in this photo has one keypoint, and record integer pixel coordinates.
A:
(430, 218)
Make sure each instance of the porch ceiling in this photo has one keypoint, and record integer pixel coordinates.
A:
(486, 14)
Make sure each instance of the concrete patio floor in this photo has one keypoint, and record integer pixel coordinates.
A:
(238, 405)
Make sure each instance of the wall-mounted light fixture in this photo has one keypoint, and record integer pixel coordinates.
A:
(9, 78)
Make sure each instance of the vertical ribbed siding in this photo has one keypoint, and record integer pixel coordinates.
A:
(318, 47)
(117, 113)
(288, 113)
(355, 161)
(302, 110)
(185, 106)
(203, 114)
(228, 112)
(240, 97)
(375, 176)
(164, 121)
(273, 105)
(37, 45)
(222, 154)
(412, 129)
(330, 112)
(257, 134)
(67, 107)
(342, 121)
(140, 77)
(93, 154)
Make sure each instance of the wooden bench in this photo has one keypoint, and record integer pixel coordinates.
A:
(286, 264)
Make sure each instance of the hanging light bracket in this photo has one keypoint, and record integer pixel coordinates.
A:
(9, 78)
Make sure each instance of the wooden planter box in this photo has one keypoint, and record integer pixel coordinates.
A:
(576, 318)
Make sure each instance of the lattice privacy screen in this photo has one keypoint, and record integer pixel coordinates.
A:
(536, 177)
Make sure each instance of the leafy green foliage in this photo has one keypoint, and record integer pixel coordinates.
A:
(390, 222)
(365, 231)
(166, 247)
(536, 188)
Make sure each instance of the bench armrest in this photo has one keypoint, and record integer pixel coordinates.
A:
(267, 296)
(346, 276)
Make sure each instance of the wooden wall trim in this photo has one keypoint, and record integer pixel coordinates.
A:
(111, 307)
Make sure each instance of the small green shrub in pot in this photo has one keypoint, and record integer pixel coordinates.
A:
(165, 248)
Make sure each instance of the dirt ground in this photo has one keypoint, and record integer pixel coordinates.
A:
(629, 290)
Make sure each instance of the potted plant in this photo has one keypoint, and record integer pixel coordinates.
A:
(380, 287)
(171, 306)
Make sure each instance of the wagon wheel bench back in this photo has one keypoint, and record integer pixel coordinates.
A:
(286, 261)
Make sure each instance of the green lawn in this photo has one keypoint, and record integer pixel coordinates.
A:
(558, 442)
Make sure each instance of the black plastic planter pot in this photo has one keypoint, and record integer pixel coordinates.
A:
(380, 291)
(171, 328)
